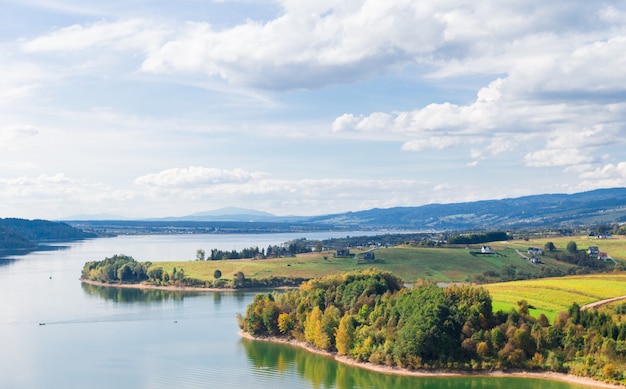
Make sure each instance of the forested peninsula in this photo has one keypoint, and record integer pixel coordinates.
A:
(369, 317)
(26, 234)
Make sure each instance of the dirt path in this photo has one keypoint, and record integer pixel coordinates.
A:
(600, 303)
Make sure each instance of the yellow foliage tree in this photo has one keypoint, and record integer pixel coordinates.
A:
(345, 335)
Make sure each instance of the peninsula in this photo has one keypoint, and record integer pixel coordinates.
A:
(369, 318)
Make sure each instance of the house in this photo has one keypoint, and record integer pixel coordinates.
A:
(593, 250)
(535, 260)
(369, 256)
(603, 256)
(535, 251)
(485, 250)
(342, 253)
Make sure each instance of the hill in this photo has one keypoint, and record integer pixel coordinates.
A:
(547, 210)
(26, 234)
(563, 211)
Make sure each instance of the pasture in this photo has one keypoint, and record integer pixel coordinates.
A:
(410, 263)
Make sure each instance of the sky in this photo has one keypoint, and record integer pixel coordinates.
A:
(161, 108)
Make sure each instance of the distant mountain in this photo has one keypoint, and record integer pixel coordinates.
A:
(554, 210)
(232, 214)
(229, 211)
(537, 211)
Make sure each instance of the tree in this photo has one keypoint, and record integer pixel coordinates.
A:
(285, 323)
(156, 273)
(344, 337)
(239, 279)
(217, 274)
(319, 246)
(549, 246)
(200, 255)
(572, 247)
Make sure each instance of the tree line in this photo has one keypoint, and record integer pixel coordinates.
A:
(296, 246)
(370, 317)
(493, 236)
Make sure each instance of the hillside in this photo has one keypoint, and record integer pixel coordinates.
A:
(532, 212)
(25, 234)
(548, 210)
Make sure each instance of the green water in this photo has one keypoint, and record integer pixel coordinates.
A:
(323, 372)
(60, 333)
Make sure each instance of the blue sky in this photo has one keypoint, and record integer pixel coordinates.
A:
(160, 108)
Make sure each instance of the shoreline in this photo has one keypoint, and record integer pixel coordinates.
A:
(173, 288)
(383, 369)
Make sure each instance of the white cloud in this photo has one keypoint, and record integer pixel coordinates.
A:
(197, 176)
(556, 157)
(432, 143)
(607, 176)
(15, 133)
(119, 35)
(610, 171)
(305, 46)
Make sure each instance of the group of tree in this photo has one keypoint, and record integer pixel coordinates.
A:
(247, 253)
(477, 238)
(370, 317)
(296, 246)
(9, 239)
(116, 269)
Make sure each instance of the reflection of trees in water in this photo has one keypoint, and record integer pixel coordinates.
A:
(240, 296)
(131, 295)
(324, 372)
(6, 261)
(8, 256)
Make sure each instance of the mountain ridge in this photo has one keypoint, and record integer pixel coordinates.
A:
(533, 211)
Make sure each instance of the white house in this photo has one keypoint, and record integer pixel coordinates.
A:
(485, 250)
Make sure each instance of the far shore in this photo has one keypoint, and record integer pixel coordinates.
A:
(174, 288)
(541, 375)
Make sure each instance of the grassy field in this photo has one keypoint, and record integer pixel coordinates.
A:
(553, 295)
(411, 263)
(615, 247)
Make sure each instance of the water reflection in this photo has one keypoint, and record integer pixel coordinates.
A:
(4, 261)
(8, 256)
(325, 372)
(131, 295)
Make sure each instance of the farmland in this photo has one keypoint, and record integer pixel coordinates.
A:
(553, 295)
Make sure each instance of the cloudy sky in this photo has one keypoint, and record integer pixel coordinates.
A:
(166, 108)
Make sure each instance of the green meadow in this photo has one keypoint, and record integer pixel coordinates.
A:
(408, 262)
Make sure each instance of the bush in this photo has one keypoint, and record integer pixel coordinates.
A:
(572, 247)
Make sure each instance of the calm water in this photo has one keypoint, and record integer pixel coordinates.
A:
(97, 337)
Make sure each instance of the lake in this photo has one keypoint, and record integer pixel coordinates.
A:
(60, 333)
